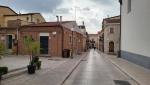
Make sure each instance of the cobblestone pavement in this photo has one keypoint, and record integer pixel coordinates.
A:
(53, 72)
(96, 70)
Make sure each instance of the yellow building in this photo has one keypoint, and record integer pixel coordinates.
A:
(10, 23)
(9, 18)
(4, 10)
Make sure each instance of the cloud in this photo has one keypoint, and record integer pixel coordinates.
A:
(91, 12)
(62, 11)
(44, 6)
(104, 2)
(86, 9)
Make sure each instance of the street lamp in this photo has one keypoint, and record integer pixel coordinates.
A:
(72, 29)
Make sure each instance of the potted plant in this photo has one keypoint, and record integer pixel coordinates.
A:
(3, 70)
(39, 64)
(33, 49)
(28, 43)
(2, 49)
(36, 52)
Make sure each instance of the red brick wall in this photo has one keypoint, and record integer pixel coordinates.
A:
(55, 44)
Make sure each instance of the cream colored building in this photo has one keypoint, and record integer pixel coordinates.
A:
(4, 10)
(94, 39)
(111, 28)
(9, 18)
(10, 23)
(25, 19)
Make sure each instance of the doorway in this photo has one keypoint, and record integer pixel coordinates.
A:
(111, 46)
(44, 44)
(9, 41)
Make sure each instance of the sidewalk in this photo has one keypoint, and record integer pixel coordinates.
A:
(54, 72)
(139, 74)
(14, 62)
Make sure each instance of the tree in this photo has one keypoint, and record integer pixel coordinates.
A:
(31, 46)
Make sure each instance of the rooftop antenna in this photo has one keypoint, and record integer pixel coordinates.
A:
(107, 16)
(75, 11)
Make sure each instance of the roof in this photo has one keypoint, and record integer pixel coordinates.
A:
(8, 8)
(46, 24)
(93, 34)
(112, 20)
(66, 24)
(23, 14)
(115, 19)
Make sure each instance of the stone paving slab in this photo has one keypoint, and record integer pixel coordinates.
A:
(140, 74)
(52, 73)
(14, 62)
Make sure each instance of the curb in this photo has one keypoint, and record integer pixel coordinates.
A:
(72, 70)
(117, 66)
(126, 73)
(14, 72)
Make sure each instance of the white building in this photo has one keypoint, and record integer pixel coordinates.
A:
(135, 31)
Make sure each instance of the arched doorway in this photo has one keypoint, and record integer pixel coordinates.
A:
(111, 46)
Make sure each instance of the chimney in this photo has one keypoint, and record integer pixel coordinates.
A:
(57, 18)
(60, 18)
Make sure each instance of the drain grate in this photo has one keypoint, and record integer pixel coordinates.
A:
(121, 82)
(83, 60)
(55, 59)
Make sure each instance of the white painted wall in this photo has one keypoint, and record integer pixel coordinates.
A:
(136, 27)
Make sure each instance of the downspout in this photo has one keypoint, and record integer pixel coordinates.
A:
(60, 24)
(62, 38)
(119, 53)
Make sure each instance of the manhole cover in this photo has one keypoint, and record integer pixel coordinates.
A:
(121, 82)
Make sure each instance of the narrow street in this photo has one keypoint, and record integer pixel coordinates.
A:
(97, 70)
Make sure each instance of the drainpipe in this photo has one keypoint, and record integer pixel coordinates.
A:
(60, 24)
(17, 35)
(119, 52)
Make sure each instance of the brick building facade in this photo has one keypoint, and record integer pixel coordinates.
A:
(58, 35)
(10, 22)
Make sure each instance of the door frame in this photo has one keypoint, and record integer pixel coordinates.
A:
(46, 35)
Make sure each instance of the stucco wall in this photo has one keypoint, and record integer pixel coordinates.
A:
(24, 20)
(136, 27)
(111, 37)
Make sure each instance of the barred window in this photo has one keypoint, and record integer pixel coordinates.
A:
(129, 6)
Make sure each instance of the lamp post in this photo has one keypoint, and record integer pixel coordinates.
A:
(72, 30)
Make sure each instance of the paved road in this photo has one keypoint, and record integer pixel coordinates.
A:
(53, 72)
(96, 70)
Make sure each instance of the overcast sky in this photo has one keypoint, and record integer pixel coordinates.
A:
(91, 12)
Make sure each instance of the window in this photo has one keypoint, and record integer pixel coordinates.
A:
(70, 39)
(111, 30)
(129, 6)
(27, 18)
